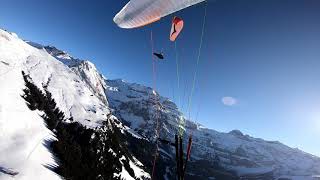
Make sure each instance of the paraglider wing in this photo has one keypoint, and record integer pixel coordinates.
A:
(176, 28)
(139, 13)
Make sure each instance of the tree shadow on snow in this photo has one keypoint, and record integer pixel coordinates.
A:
(8, 171)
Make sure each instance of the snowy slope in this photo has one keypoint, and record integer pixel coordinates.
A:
(22, 130)
(73, 95)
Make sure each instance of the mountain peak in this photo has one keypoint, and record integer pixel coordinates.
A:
(236, 132)
(62, 56)
(57, 52)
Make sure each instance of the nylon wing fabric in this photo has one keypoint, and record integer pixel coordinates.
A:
(138, 13)
(176, 28)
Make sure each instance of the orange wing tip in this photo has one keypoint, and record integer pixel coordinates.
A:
(176, 28)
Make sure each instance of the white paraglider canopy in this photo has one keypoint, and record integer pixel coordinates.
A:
(139, 13)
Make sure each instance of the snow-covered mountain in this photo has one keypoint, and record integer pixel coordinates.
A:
(22, 148)
(85, 96)
(241, 154)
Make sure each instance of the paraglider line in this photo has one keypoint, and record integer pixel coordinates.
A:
(198, 60)
(156, 102)
(181, 121)
(178, 75)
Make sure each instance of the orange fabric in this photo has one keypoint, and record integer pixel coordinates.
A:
(176, 28)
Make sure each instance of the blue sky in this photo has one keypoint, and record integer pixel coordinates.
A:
(265, 54)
